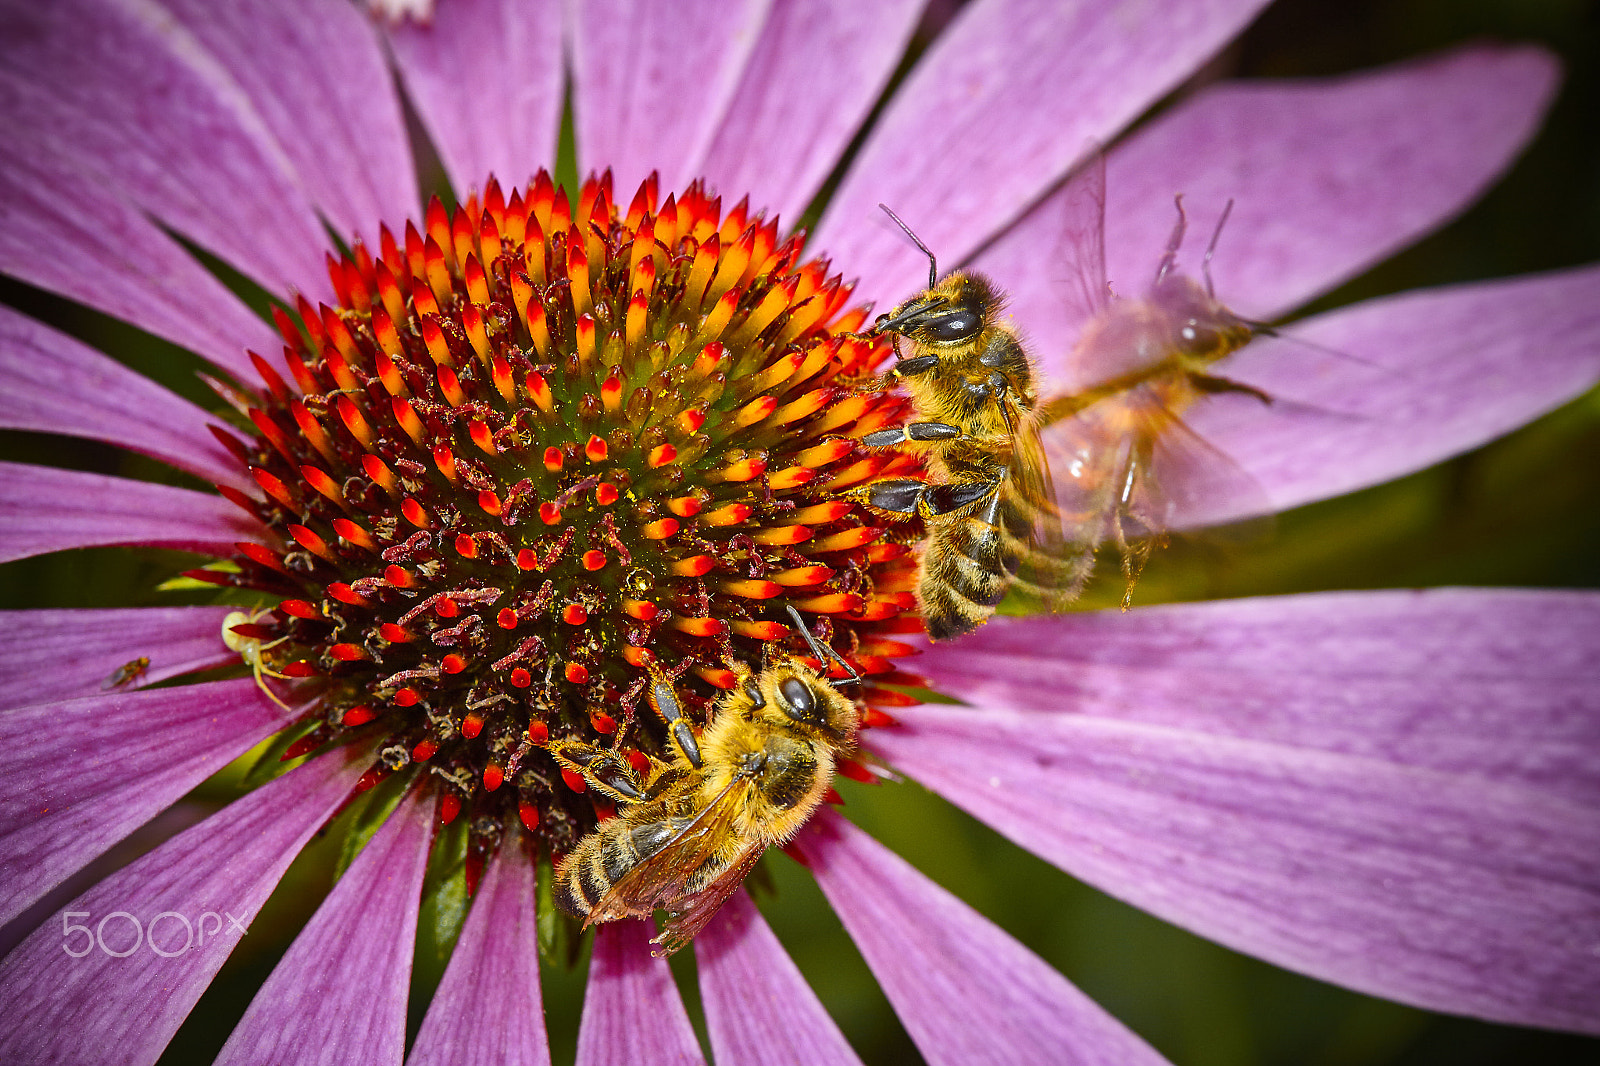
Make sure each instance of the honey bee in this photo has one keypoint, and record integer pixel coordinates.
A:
(996, 515)
(690, 828)
(986, 505)
(127, 673)
(1127, 466)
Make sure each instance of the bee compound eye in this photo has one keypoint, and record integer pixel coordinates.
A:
(799, 703)
(954, 326)
(1197, 338)
(753, 690)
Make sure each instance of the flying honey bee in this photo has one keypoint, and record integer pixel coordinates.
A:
(1127, 467)
(1021, 491)
(689, 829)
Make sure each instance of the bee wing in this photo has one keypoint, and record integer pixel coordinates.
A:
(694, 911)
(1128, 467)
(1081, 247)
(657, 880)
(1195, 485)
(1058, 559)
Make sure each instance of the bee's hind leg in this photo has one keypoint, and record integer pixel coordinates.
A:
(896, 497)
(606, 772)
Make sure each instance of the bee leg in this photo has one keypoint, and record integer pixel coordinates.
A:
(893, 496)
(943, 499)
(605, 771)
(664, 701)
(1214, 385)
(913, 431)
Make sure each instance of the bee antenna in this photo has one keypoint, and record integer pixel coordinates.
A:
(1169, 261)
(821, 650)
(1216, 234)
(933, 264)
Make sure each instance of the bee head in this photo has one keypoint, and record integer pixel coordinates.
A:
(794, 693)
(951, 314)
(1201, 328)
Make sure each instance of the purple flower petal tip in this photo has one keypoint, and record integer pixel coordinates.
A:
(965, 990)
(632, 1011)
(759, 1008)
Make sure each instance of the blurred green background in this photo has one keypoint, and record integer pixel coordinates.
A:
(1524, 510)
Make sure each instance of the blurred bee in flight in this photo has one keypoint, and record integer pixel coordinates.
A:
(691, 827)
(1021, 491)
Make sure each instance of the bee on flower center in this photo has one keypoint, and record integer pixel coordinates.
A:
(986, 503)
(1022, 489)
(689, 828)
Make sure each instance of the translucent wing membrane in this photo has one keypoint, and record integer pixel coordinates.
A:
(692, 913)
(1081, 250)
(659, 880)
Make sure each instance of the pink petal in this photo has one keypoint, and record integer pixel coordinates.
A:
(816, 72)
(53, 655)
(651, 82)
(1454, 880)
(487, 1007)
(966, 992)
(136, 102)
(758, 1007)
(51, 383)
(486, 77)
(339, 994)
(632, 1012)
(315, 74)
(1496, 682)
(62, 232)
(1328, 176)
(1456, 367)
(122, 1011)
(78, 776)
(1000, 108)
(43, 509)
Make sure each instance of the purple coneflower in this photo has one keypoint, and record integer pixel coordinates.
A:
(466, 522)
